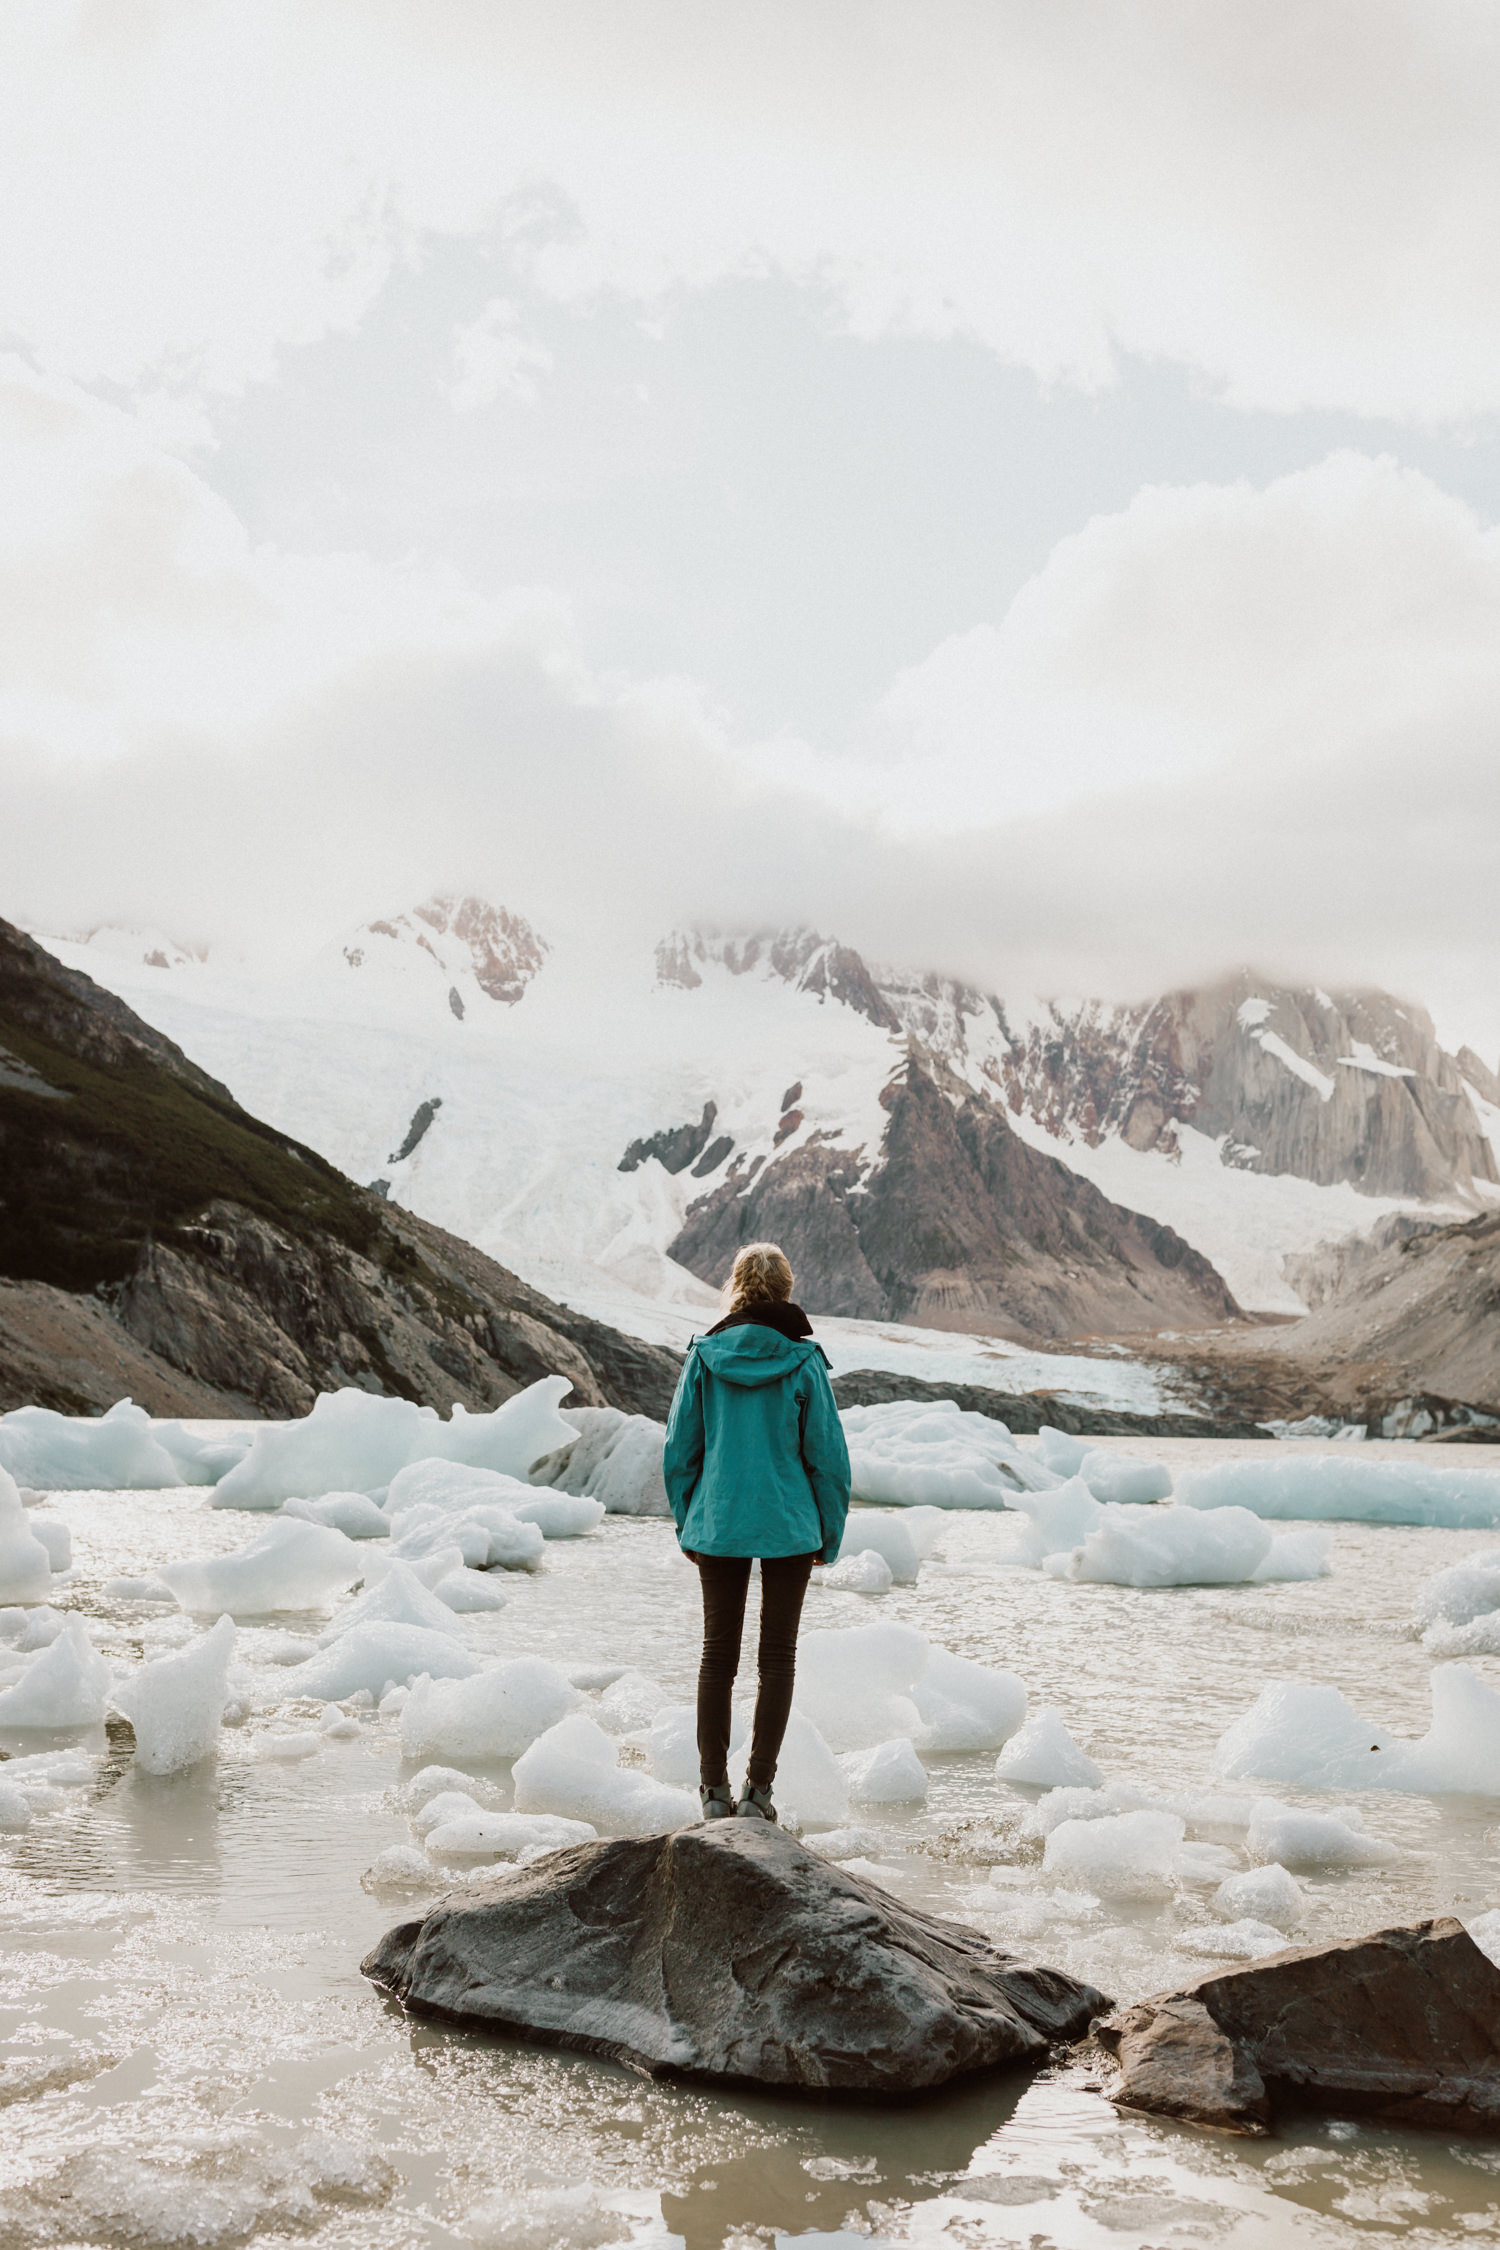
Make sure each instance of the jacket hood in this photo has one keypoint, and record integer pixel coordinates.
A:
(752, 1356)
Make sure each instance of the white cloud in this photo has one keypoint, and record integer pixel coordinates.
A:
(1196, 629)
(1300, 201)
(493, 355)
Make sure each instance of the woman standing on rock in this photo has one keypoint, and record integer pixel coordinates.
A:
(755, 1466)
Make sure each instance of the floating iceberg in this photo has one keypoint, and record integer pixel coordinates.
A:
(671, 1743)
(175, 1704)
(1111, 1477)
(495, 1714)
(890, 1774)
(612, 1457)
(353, 1441)
(349, 1512)
(1262, 1894)
(290, 1565)
(119, 1451)
(572, 1771)
(1333, 1488)
(855, 1685)
(859, 1572)
(1044, 1755)
(1279, 1836)
(1312, 1738)
(458, 1488)
(1136, 1546)
(965, 1706)
(25, 1564)
(1124, 1855)
(905, 1455)
(488, 1538)
(64, 1686)
(1457, 1611)
(903, 1541)
(379, 1653)
(397, 1598)
(503, 1835)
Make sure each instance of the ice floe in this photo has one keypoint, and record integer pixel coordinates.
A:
(175, 1704)
(936, 1455)
(1333, 1488)
(1311, 1737)
(573, 1770)
(1044, 1755)
(290, 1565)
(494, 1713)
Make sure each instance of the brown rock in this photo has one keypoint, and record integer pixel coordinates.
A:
(1403, 2026)
(1175, 2061)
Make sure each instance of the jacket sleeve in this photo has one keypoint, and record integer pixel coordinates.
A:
(825, 1456)
(682, 1461)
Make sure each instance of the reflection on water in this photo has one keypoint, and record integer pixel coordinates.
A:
(189, 2054)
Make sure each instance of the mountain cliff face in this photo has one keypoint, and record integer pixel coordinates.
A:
(480, 950)
(1349, 1086)
(156, 1238)
(958, 1224)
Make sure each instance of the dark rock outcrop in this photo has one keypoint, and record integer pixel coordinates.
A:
(675, 1147)
(1402, 2027)
(734, 1954)
(156, 1239)
(957, 1223)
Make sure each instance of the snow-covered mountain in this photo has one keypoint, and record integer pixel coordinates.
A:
(927, 1151)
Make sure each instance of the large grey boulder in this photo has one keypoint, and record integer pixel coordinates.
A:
(1403, 2026)
(730, 1952)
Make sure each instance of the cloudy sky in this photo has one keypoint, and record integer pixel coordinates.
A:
(1013, 482)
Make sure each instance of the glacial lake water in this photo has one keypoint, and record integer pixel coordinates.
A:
(189, 2055)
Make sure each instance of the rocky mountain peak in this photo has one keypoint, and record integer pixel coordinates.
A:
(799, 957)
(459, 936)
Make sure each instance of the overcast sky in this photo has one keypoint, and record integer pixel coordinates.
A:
(1014, 483)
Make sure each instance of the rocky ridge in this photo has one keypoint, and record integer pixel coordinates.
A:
(158, 1240)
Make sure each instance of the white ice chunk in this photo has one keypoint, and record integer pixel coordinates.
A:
(854, 1684)
(470, 1591)
(1119, 1479)
(1263, 1894)
(861, 1571)
(848, 1843)
(137, 1590)
(571, 1770)
(886, 1536)
(1205, 1865)
(430, 1783)
(25, 1565)
(1485, 1931)
(15, 1810)
(354, 1441)
(1055, 1521)
(445, 1805)
(1063, 1453)
(810, 1783)
(630, 1703)
(56, 1538)
(289, 1565)
(1460, 1753)
(374, 1654)
(453, 1486)
(1305, 1839)
(671, 1743)
(890, 1774)
(907, 1454)
(1311, 1737)
(1296, 1554)
(501, 1835)
(348, 1512)
(496, 1714)
(1133, 1546)
(176, 1703)
(1126, 1855)
(1248, 1940)
(199, 1460)
(489, 1538)
(1334, 1487)
(400, 1867)
(1464, 1591)
(612, 1457)
(118, 1452)
(966, 1706)
(286, 1749)
(1058, 1805)
(1045, 1755)
(397, 1598)
(65, 1686)
(39, 1629)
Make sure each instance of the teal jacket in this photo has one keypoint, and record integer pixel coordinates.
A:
(756, 1462)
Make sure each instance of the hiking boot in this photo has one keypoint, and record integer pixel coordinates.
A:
(754, 1804)
(717, 1801)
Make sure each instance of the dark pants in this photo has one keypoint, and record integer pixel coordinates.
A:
(783, 1582)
